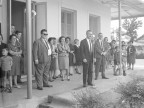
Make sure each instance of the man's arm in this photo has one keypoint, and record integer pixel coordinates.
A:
(97, 49)
(82, 51)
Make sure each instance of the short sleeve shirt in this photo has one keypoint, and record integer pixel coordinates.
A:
(5, 63)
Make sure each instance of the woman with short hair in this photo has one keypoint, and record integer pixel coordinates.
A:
(63, 57)
(15, 53)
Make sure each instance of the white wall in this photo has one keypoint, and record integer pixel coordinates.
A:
(83, 8)
(3, 20)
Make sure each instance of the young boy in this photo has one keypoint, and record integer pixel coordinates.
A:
(116, 61)
(5, 64)
(124, 59)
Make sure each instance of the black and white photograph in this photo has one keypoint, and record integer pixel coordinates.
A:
(71, 53)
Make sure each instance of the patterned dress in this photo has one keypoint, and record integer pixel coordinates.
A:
(16, 59)
(63, 56)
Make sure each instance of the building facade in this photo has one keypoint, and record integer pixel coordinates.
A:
(60, 17)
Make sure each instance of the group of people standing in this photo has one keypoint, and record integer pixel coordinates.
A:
(53, 60)
(10, 62)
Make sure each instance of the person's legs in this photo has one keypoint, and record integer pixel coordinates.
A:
(85, 71)
(62, 74)
(97, 67)
(90, 73)
(67, 74)
(45, 73)
(15, 82)
(39, 68)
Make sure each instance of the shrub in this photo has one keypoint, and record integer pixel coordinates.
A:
(132, 92)
(89, 98)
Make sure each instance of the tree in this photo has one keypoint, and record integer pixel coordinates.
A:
(131, 26)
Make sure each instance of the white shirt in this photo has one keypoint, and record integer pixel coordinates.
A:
(89, 44)
(48, 48)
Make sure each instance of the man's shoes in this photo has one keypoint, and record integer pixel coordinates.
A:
(105, 78)
(48, 85)
(39, 88)
(84, 85)
(91, 84)
(51, 80)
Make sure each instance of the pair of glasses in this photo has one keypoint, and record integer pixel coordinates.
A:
(45, 34)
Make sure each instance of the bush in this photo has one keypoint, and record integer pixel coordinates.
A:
(89, 98)
(132, 92)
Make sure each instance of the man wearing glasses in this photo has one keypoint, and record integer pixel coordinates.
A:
(42, 60)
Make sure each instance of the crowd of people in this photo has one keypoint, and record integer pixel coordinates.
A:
(64, 58)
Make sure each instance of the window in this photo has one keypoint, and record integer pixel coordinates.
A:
(67, 23)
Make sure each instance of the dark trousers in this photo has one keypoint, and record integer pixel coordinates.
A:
(41, 73)
(87, 72)
(100, 67)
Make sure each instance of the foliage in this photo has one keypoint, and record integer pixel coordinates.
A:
(132, 92)
(131, 26)
(89, 98)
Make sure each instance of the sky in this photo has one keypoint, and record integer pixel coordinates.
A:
(140, 31)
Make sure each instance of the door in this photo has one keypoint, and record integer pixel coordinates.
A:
(94, 24)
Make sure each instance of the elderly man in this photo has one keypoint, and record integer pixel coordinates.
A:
(42, 60)
(99, 57)
(87, 58)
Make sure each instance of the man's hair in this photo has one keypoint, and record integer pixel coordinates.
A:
(67, 38)
(43, 30)
(99, 34)
(88, 31)
(17, 32)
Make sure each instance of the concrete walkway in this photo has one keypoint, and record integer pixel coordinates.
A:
(61, 89)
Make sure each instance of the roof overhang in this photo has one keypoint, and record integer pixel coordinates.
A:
(129, 8)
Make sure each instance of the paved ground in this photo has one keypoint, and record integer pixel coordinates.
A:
(59, 87)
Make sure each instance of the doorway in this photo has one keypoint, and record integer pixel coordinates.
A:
(94, 24)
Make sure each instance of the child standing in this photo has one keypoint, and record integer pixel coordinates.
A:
(124, 59)
(5, 64)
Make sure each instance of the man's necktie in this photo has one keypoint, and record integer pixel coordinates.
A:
(90, 46)
(46, 44)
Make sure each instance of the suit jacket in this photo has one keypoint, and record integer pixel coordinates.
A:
(98, 49)
(85, 52)
(40, 51)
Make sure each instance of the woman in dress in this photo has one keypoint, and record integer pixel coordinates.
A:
(131, 55)
(77, 56)
(71, 55)
(15, 52)
(2, 45)
(63, 57)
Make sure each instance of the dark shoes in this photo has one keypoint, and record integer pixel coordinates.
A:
(84, 85)
(105, 78)
(39, 88)
(48, 85)
(91, 84)
(51, 80)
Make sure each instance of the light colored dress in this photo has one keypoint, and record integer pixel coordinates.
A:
(63, 56)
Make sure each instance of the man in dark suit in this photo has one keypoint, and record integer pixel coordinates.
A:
(42, 60)
(99, 57)
(86, 48)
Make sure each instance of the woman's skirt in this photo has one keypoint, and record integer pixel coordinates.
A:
(63, 62)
